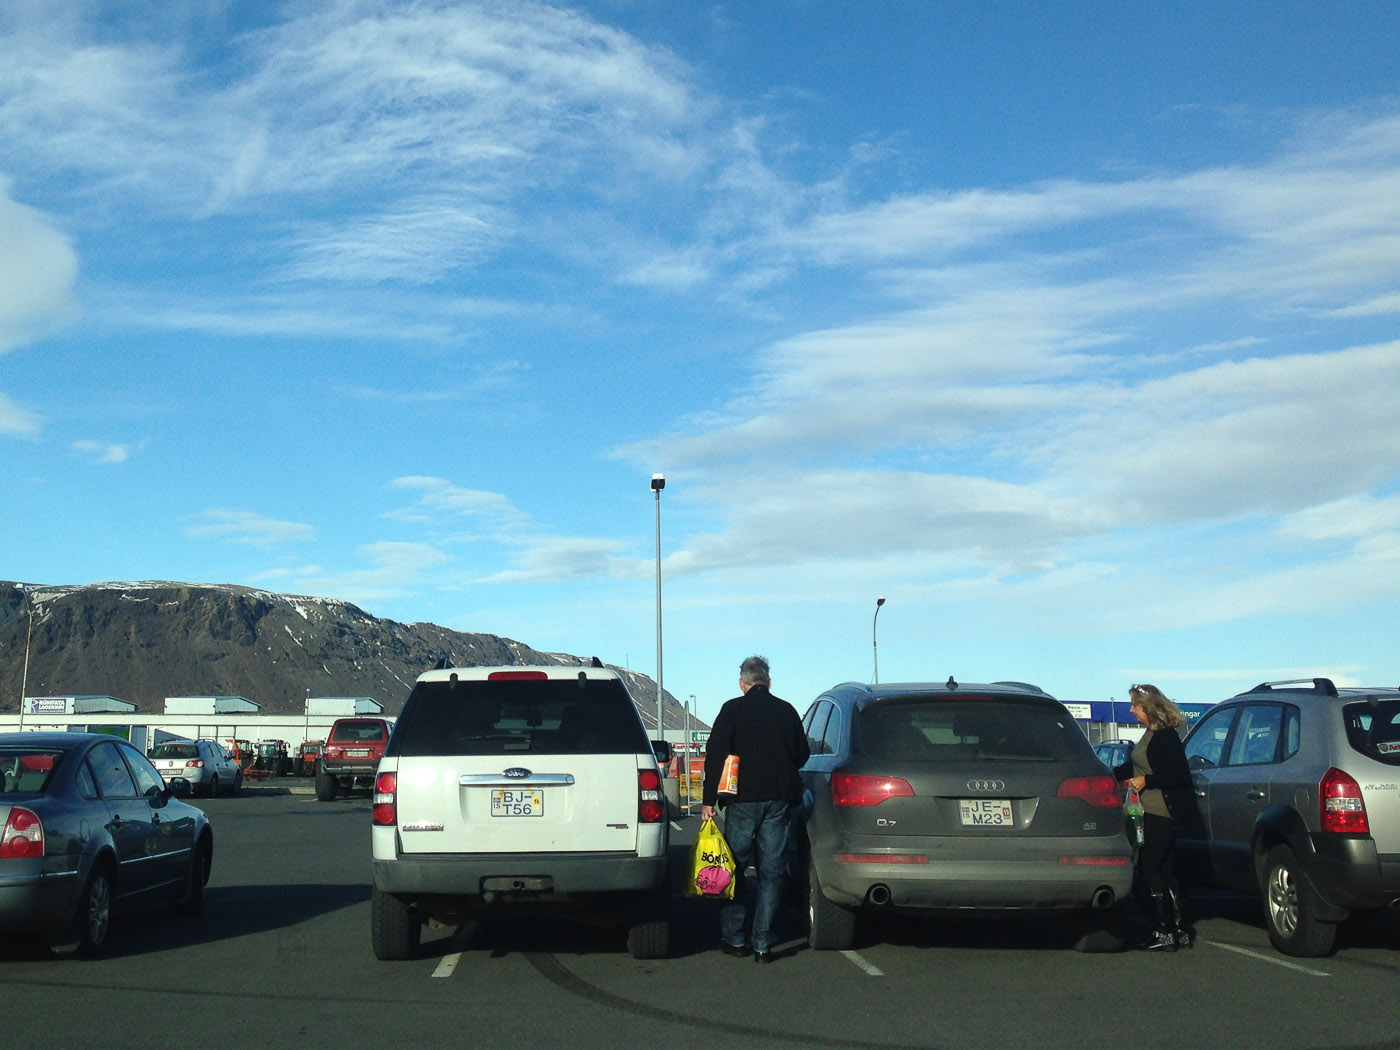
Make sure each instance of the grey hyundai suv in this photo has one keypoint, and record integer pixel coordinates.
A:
(1299, 790)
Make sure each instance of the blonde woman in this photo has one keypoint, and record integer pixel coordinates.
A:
(1158, 772)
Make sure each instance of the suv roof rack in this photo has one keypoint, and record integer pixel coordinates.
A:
(1320, 686)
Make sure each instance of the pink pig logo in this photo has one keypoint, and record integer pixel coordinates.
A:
(712, 881)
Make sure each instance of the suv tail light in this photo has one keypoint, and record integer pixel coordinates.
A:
(651, 804)
(1343, 809)
(854, 789)
(518, 676)
(23, 835)
(1101, 792)
(385, 812)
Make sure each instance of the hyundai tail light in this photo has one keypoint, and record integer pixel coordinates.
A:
(1343, 808)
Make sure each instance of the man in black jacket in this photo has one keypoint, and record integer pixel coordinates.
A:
(767, 736)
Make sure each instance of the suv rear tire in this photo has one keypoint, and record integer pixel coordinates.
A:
(326, 787)
(832, 927)
(394, 927)
(1290, 908)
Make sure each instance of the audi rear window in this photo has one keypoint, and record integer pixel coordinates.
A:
(544, 717)
(935, 729)
(1374, 729)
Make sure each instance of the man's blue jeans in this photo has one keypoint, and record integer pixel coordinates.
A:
(750, 826)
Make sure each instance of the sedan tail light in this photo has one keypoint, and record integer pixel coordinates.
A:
(23, 835)
(385, 811)
(1343, 808)
(1102, 792)
(855, 789)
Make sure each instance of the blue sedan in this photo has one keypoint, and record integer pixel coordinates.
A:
(87, 825)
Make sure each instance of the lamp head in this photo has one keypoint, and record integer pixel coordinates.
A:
(658, 482)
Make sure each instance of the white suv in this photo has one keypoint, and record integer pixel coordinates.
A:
(519, 786)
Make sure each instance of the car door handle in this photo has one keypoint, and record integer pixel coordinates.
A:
(1255, 795)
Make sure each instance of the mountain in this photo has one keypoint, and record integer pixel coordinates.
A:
(143, 642)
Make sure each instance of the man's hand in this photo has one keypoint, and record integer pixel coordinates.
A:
(707, 812)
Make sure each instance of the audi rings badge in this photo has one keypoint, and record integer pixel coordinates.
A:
(986, 785)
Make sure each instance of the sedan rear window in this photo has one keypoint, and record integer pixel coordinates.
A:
(546, 717)
(27, 769)
(1374, 729)
(940, 730)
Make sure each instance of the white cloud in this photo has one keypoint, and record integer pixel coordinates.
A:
(240, 526)
(37, 269)
(102, 451)
(16, 420)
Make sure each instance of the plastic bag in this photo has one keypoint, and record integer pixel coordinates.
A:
(711, 865)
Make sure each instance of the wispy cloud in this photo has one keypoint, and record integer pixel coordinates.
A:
(241, 526)
(102, 451)
(37, 269)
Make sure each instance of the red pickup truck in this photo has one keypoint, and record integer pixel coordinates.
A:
(351, 753)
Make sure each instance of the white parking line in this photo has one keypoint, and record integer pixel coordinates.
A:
(447, 965)
(859, 961)
(1268, 959)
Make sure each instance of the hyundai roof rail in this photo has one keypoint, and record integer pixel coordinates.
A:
(1320, 686)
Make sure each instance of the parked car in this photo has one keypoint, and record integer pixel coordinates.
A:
(198, 767)
(958, 798)
(350, 756)
(88, 825)
(1299, 791)
(511, 789)
(1113, 753)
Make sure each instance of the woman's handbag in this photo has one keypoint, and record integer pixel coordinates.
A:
(711, 865)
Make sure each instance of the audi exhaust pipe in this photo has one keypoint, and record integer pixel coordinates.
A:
(878, 895)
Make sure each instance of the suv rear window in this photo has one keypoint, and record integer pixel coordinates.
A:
(1374, 730)
(546, 717)
(934, 729)
(354, 732)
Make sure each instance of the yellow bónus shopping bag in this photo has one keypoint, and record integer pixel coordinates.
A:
(711, 865)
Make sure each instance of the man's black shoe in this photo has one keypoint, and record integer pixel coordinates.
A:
(736, 950)
(762, 957)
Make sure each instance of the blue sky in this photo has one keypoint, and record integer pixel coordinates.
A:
(1070, 328)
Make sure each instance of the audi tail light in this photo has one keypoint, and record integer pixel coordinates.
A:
(1343, 808)
(23, 836)
(385, 811)
(1101, 792)
(856, 789)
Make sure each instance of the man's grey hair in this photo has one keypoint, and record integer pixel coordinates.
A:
(754, 671)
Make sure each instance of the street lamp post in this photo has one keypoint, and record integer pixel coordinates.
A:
(874, 645)
(658, 482)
